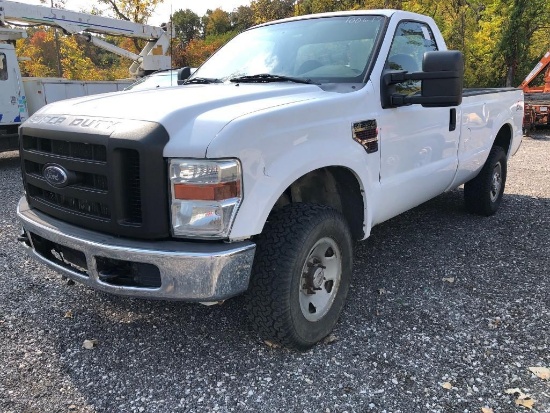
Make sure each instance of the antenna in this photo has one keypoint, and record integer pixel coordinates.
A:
(171, 34)
(171, 44)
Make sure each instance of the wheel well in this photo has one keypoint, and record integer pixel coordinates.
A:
(333, 186)
(504, 138)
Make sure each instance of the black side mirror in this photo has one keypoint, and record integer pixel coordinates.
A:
(442, 78)
(183, 74)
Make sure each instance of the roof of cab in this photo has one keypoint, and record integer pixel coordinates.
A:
(375, 12)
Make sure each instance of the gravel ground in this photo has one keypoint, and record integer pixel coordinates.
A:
(439, 299)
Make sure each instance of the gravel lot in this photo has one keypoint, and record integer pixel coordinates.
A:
(438, 296)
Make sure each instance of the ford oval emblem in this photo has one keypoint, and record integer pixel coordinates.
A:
(56, 175)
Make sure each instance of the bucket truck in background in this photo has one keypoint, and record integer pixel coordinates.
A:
(20, 97)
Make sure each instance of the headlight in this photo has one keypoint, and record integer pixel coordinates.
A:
(205, 196)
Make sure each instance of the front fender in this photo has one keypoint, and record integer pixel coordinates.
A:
(277, 147)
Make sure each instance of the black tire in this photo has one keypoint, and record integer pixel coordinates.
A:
(294, 239)
(483, 194)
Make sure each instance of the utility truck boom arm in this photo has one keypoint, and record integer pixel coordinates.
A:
(152, 57)
(543, 64)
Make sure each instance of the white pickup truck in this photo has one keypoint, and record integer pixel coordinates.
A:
(259, 174)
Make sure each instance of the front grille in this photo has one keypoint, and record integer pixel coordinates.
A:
(76, 150)
(117, 186)
(69, 203)
(90, 196)
(86, 180)
(132, 186)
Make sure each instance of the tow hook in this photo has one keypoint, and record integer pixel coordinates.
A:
(24, 238)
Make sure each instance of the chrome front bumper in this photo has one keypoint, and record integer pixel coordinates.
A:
(189, 271)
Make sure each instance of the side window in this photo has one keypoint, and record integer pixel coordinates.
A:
(411, 41)
(3, 67)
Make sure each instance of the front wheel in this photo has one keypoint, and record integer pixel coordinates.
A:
(301, 275)
(483, 194)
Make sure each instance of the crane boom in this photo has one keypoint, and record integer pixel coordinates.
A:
(544, 63)
(152, 57)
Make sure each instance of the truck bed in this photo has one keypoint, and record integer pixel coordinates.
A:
(487, 90)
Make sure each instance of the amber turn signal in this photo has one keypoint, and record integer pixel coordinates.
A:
(209, 192)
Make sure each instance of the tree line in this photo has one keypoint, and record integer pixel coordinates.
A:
(502, 40)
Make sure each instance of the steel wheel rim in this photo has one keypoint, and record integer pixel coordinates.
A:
(496, 182)
(320, 279)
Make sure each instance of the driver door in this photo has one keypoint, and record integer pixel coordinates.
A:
(418, 150)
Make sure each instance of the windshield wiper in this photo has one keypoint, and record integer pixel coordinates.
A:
(267, 78)
(200, 81)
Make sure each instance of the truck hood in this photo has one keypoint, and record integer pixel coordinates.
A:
(192, 115)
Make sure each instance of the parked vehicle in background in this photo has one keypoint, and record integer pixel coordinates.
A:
(21, 97)
(258, 175)
(537, 97)
(162, 78)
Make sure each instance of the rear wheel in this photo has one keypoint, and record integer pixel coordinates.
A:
(483, 194)
(301, 275)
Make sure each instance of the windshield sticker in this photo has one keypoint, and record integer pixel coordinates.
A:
(360, 19)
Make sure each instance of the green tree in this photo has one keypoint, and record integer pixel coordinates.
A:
(197, 51)
(386, 4)
(322, 6)
(204, 21)
(268, 10)
(187, 25)
(242, 18)
(219, 22)
(525, 19)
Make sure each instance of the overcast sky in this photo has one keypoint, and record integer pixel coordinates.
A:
(162, 13)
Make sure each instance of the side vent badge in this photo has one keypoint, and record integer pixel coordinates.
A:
(366, 134)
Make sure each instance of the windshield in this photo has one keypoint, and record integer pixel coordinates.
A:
(327, 49)
(163, 79)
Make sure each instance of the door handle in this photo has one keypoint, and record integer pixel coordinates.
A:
(452, 120)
